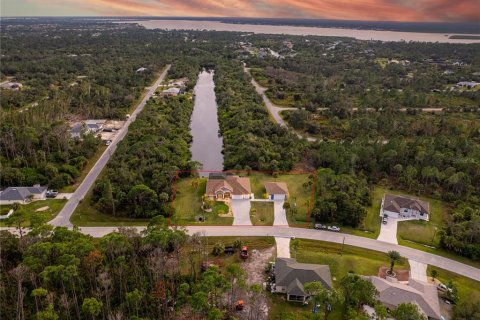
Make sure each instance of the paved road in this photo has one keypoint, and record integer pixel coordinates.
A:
(63, 218)
(273, 109)
(312, 234)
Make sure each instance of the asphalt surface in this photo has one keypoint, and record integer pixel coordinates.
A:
(273, 109)
(285, 232)
(63, 217)
(312, 234)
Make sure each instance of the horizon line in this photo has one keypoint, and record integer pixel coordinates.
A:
(235, 17)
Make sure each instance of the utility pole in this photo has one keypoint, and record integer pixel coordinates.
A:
(343, 244)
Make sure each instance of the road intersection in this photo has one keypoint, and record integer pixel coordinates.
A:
(277, 231)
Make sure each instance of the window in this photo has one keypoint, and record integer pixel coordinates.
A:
(292, 297)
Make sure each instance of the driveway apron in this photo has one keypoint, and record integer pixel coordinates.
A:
(388, 232)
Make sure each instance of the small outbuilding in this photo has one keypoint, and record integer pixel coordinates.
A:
(277, 190)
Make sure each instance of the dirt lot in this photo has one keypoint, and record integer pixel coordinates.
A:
(255, 268)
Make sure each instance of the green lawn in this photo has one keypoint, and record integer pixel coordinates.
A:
(350, 259)
(261, 213)
(468, 289)
(91, 162)
(423, 231)
(358, 260)
(188, 202)
(27, 211)
(299, 195)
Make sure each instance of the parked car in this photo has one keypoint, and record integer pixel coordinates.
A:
(229, 250)
(319, 226)
(108, 142)
(333, 228)
(52, 193)
(444, 288)
(384, 220)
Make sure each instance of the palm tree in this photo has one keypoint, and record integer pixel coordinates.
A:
(394, 257)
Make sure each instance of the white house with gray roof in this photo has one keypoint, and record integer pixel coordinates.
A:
(290, 276)
(391, 293)
(22, 195)
(401, 207)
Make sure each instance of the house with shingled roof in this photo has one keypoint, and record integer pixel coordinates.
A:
(277, 190)
(401, 207)
(391, 293)
(22, 195)
(224, 186)
(290, 276)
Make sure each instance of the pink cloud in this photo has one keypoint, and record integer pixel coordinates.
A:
(399, 10)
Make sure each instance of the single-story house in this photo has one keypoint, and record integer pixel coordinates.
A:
(391, 293)
(401, 207)
(87, 126)
(170, 92)
(277, 190)
(22, 195)
(290, 276)
(12, 85)
(468, 84)
(223, 186)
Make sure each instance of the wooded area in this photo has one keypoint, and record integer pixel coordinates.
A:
(251, 140)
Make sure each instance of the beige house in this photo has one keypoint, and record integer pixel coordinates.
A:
(277, 190)
(228, 187)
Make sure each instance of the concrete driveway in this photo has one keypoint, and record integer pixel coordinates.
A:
(388, 232)
(418, 270)
(283, 247)
(241, 212)
(280, 214)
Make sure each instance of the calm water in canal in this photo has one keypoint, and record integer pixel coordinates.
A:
(207, 144)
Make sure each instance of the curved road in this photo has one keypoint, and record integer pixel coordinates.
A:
(312, 234)
(273, 109)
(63, 217)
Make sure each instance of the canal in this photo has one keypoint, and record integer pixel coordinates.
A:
(207, 143)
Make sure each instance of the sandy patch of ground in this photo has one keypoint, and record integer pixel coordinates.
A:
(255, 268)
(255, 265)
(402, 274)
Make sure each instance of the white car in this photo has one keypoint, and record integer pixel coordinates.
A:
(334, 228)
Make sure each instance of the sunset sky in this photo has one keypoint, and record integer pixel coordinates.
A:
(399, 10)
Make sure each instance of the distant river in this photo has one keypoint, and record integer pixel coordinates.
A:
(207, 144)
(293, 30)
